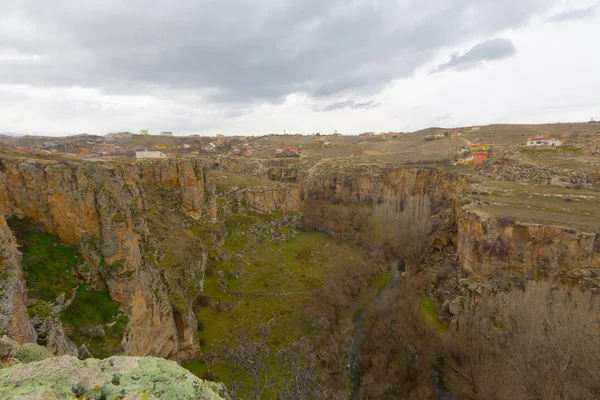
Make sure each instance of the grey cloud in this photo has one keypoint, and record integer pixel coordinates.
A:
(244, 52)
(348, 104)
(365, 105)
(336, 106)
(573, 14)
(494, 49)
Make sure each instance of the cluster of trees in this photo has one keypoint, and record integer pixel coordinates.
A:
(538, 342)
(399, 227)
(402, 228)
(542, 342)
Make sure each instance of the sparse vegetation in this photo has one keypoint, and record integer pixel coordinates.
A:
(50, 268)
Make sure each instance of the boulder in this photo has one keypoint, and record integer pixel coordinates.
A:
(8, 347)
(124, 378)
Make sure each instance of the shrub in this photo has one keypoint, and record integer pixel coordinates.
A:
(203, 300)
(210, 376)
(31, 352)
(506, 221)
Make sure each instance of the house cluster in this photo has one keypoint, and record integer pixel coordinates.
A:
(451, 133)
(323, 142)
(544, 141)
(123, 144)
(474, 154)
(386, 135)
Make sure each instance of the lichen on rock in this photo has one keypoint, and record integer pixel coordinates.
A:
(112, 378)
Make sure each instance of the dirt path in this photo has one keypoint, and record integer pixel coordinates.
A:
(467, 141)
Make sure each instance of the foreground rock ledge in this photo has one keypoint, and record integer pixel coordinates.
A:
(121, 378)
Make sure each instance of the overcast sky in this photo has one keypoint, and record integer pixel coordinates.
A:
(259, 66)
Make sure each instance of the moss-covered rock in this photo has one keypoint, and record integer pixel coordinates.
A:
(31, 352)
(113, 378)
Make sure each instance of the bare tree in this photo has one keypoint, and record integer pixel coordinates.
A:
(542, 343)
(247, 352)
(403, 227)
(298, 361)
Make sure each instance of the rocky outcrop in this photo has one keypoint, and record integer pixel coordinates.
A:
(14, 320)
(507, 168)
(99, 208)
(116, 377)
(185, 175)
(276, 169)
(488, 245)
(284, 198)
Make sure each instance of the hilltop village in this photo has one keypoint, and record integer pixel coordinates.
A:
(461, 146)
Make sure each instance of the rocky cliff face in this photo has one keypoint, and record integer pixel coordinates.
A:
(343, 181)
(488, 246)
(284, 198)
(340, 197)
(99, 208)
(185, 175)
(14, 320)
(276, 169)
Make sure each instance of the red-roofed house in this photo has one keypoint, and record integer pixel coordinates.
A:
(480, 157)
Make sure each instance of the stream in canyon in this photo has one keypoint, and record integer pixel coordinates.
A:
(353, 352)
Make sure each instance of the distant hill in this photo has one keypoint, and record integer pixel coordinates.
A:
(11, 134)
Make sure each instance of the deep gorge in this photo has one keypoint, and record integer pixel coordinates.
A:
(159, 236)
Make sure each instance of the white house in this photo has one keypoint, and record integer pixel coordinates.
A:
(150, 154)
(543, 141)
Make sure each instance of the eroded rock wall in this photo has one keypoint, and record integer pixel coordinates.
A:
(489, 245)
(99, 208)
(339, 197)
(14, 320)
(510, 168)
(277, 169)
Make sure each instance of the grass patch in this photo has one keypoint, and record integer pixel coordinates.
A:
(48, 269)
(95, 307)
(261, 272)
(429, 316)
(543, 204)
(226, 180)
(48, 264)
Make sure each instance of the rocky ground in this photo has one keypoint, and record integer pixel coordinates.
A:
(31, 372)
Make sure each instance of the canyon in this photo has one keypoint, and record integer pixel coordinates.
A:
(148, 230)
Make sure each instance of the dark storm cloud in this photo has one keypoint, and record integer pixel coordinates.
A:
(245, 51)
(348, 104)
(490, 50)
(573, 14)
